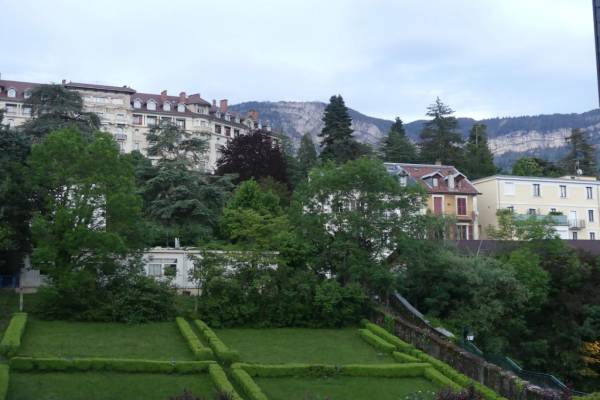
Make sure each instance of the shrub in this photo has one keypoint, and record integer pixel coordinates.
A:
(12, 337)
(387, 336)
(438, 378)
(386, 370)
(404, 358)
(221, 382)
(222, 352)
(245, 381)
(294, 369)
(3, 381)
(376, 341)
(108, 364)
(199, 350)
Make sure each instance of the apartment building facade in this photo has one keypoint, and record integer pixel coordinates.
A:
(129, 115)
(571, 201)
(449, 192)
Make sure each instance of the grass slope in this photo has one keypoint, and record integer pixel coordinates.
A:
(158, 341)
(343, 388)
(299, 345)
(104, 386)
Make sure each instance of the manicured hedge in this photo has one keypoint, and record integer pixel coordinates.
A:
(250, 389)
(3, 381)
(200, 351)
(388, 337)
(293, 369)
(404, 358)
(375, 341)
(221, 382)
(385, 370)
(221, 350)
(438, 378)
(108, 364)
(12, 337)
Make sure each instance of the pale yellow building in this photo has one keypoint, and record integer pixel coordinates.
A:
(575, 198)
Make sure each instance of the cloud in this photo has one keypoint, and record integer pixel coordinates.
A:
(387, 58)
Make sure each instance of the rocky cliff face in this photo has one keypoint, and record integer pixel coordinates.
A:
(510, 138)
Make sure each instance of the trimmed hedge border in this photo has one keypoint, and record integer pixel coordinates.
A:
(220, 349)
(12, 337)
(200, 351)
(442, 380)
(404, 358)
(247, 384)
(375, 341)
(3, 381)
(408, 352)
(26, 364)
(219, 379)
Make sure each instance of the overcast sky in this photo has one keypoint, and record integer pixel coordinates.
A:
(484, 58)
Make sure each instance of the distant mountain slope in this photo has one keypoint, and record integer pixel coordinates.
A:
(510, 137)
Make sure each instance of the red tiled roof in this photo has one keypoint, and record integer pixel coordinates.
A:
(20, 87)
(420, 171)
(118, 89)
(196, 99)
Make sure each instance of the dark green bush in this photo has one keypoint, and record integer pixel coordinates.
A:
(12, 337)
(222, 352)
(200, 351)
(221, 382)
(376, 341)
(250, 389)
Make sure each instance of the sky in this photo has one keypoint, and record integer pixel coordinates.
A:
(485, 58)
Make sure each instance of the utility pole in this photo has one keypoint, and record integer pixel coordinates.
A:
(596, 6)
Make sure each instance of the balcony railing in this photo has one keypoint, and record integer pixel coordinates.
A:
(576, 224)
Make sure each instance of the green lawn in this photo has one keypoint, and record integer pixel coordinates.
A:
(104, 386)
(158, 341)
(343, 388)
(288, 345)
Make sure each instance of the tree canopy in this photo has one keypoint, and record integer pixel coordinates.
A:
(440, 140)
(581, 155)
(478, 160)
(397, 147)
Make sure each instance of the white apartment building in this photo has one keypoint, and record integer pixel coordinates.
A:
(572, 201)
(130, 115)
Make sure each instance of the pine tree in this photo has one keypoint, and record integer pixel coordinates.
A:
(337, 143)
(440, 140)
(582, 155)
(307, 155)
(397, 147)
(479, 160)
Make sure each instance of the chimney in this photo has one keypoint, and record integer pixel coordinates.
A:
(223, 106)
(64, 81)
(163, 93)
(182, 97)
(214, 103)
(438, 162)
(253, 114)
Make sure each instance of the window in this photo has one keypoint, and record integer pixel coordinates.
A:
(591, 215)
(536, 189)
(151, 105)
(511, 209)
(236, 132)
(438, 205)
(589, 193)
(11, 108)
(166, 120)
(218, 129)
(167, 106)
(553, 210)
(563, 191)
(136, 146)
(180, 123)
(509, 188)
(181, 107)
(462, 232)
(592, 235)
(26, 111)
(228, 131)
(403, 180)
(155, 269)
(574, 235)
(137, 104)
(435, 182)
(137, 119)
(461, 206)
(531, 211)
(11, 92)
(151, 120)
(162, 266)
(27, 93)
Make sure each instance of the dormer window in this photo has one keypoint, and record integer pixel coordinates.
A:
(151, 105)
(167, 106)
(11, 92)
(435, 182)
(181, 107)
(403, 179)
(27, 93)
(137, 103)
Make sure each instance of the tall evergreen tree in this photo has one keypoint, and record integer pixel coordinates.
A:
(440, 140)
(307, 155)
(582, 155)
(338, 143)
(397, 147)
(479, 160)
